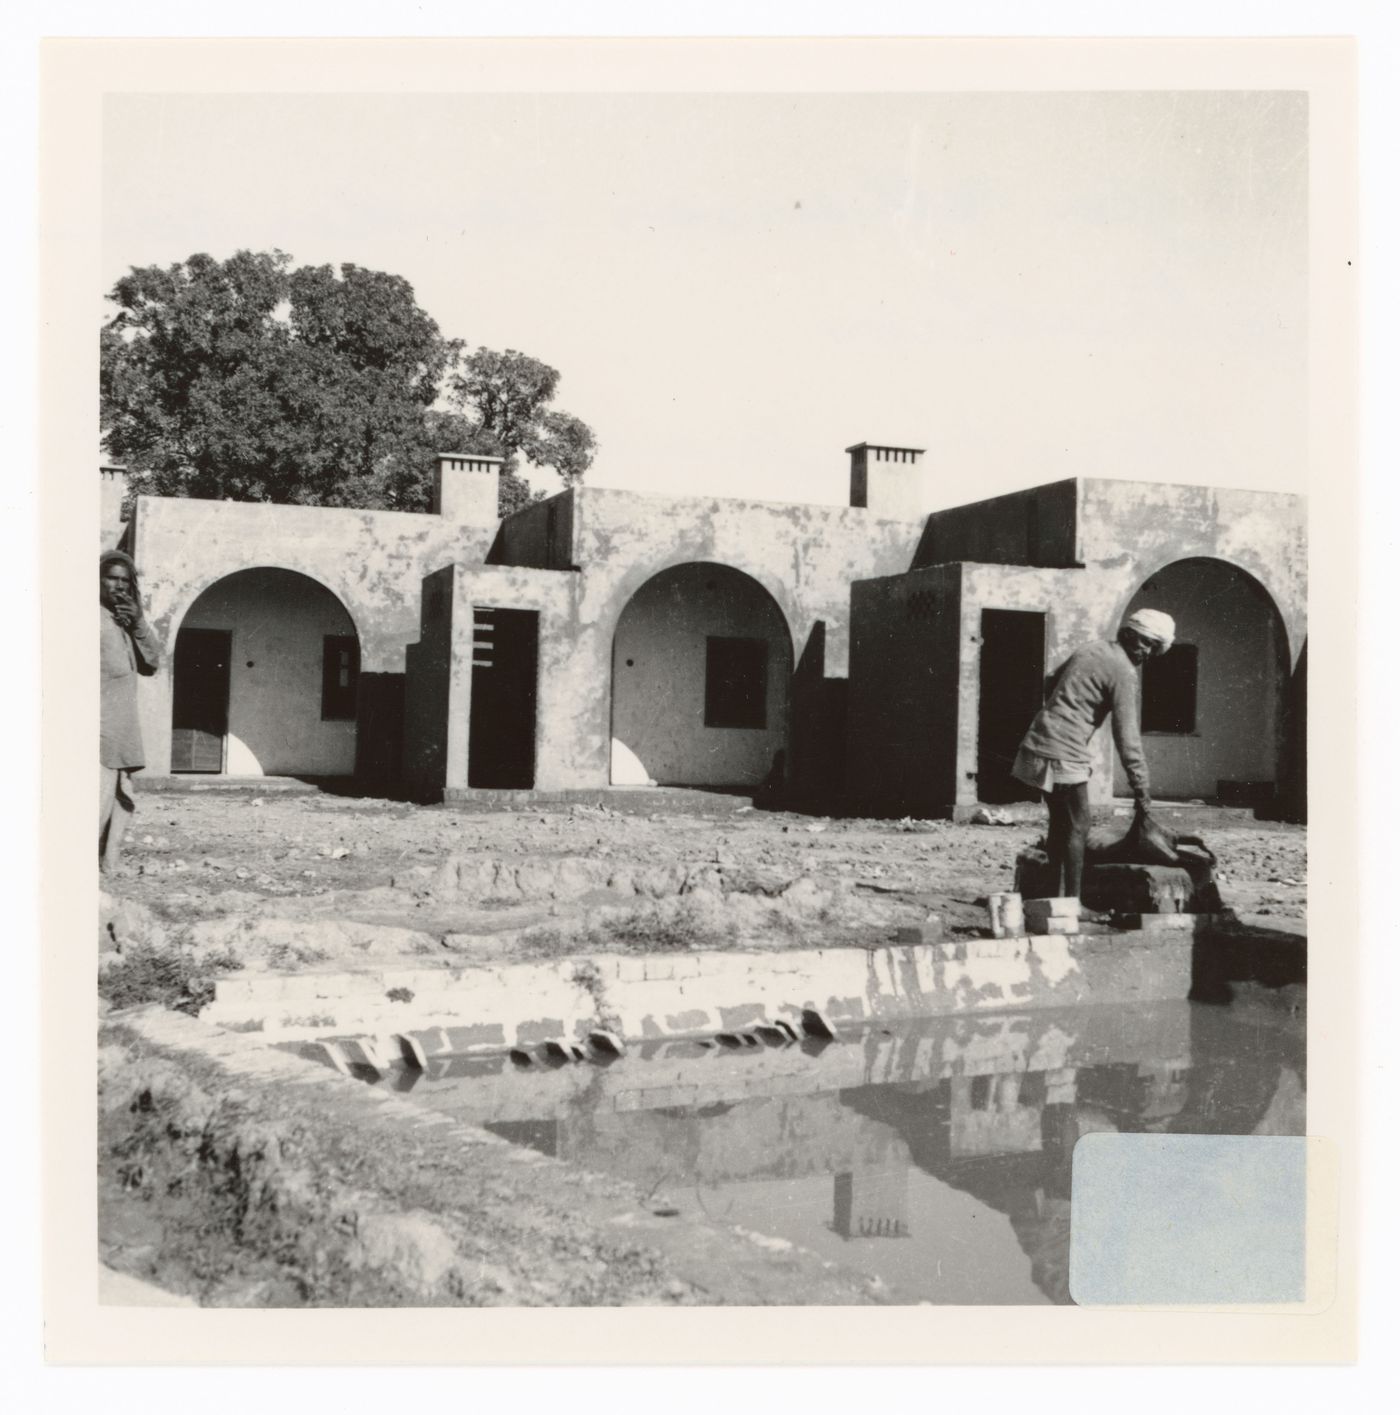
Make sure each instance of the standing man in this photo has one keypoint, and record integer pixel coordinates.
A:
(1098, 681)
(129, 647)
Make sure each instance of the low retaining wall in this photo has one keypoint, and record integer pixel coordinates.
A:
(666, 995)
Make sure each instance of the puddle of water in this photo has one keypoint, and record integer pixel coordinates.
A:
(933, 1154)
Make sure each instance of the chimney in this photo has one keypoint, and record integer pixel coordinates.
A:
(468, 488)
(887, 481)
(114, 489)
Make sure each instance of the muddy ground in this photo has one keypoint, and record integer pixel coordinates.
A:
(515, 881)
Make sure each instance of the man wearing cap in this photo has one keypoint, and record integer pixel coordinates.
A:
(1099, 680)
(129, 646)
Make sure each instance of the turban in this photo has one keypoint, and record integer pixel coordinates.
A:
(1153, 624)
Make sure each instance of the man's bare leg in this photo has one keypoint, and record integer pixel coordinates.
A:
(1068, 835)
(119, 817)
(106, 800)
(1076, 805)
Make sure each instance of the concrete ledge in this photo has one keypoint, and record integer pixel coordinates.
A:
(617, 798)
(641, 997)
(200, 781)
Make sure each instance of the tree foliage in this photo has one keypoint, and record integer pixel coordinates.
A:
(251, 380)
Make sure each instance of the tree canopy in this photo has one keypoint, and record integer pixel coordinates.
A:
(256, 381)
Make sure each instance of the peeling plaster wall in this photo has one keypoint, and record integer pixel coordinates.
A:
(806, 557)
(1125, 532)
(1146, 525)
(372, 561)
(658, 681)
(278, 622)
(553, 595)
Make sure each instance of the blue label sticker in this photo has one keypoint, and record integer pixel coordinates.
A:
(1188, 1219)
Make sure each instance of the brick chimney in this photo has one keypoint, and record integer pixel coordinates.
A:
(887, 481)
(468, 488)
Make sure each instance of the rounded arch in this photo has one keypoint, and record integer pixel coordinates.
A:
(1214, 709)
(1150, 569)
(266, 677)
(702, 660)
(194, 589)
(626, 587)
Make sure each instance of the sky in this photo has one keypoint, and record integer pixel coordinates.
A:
(736, 287)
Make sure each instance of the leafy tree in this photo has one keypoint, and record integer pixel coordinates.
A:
(506, 395)
(250, 380)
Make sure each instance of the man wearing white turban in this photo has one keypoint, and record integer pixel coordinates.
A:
(1097, 681)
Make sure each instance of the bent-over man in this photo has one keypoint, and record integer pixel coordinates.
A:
(1099, 680)
(129, 647)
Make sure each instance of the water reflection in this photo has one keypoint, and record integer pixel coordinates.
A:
(936, 1155)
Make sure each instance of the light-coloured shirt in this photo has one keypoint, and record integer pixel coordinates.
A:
(125, 654)
(1097, 681)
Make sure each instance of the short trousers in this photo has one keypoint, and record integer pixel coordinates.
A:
(1045, 773)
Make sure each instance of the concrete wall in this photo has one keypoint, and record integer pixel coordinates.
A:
(372, 561)
(805, 557)
(903, 714)
(540, 535)
(659, 673)
(1242, 667)
(1148, 525)
(1038, 526)
(278, 620)
(441, 669)
(1124, 533)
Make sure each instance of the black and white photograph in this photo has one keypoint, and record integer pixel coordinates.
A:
(704, 692)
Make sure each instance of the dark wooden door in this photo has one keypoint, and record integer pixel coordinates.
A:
(199, 719)
(505, 669)
(1012, 686)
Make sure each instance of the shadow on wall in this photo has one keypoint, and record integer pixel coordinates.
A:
(701, 675)
(816, 781)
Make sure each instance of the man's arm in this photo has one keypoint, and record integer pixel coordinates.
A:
(1127, 737)
(147, 645)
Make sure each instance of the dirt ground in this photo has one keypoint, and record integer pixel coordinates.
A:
(287, 879)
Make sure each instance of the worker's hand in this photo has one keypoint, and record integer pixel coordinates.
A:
(126, 611)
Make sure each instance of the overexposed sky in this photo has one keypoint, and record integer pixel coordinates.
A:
(736, 287)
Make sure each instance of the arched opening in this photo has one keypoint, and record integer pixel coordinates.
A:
(1213, 709)
(702, 666)
(266, 679)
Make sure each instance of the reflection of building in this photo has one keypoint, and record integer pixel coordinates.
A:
(867, 653)
(871, 1203)
(991, 1109)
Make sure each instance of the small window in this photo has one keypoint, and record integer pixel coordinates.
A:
(340, 677)
(736, 683)
(1169, 691)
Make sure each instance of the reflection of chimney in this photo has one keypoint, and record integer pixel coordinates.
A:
(468, 488)
(887, 481)
(872, 1203)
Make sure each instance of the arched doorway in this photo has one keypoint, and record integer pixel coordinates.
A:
(266, 678)
(1213, 709)
(702, 666)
